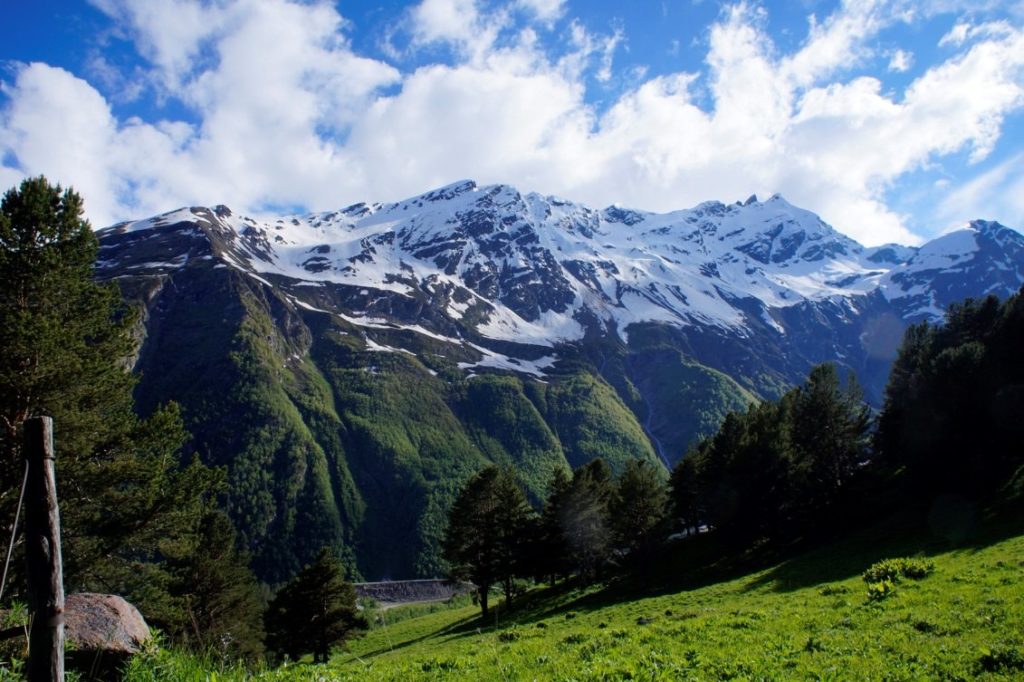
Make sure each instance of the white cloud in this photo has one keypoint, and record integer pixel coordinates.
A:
(71, 144)
(546, 11)
(169, 34)
(838, 41)
(963, 32)
(309, 122)
(956, 36)
(459, 23)
(900, 61)
(281, 86)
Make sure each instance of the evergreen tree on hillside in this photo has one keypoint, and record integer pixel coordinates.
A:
(486, 537)
(830, 427)
(548, 555)
(584, 518)
(66, 343)
(773, 470)
(743, 475)
(639, 507)
(315, 612)
(953, 406)
(217, 591)
(684, 491)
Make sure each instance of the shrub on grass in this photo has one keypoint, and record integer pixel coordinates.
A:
(880, 590)
(894, 569)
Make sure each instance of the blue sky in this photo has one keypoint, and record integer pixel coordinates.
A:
(895, 121)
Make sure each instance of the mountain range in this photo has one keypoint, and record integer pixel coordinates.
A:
(351, 368)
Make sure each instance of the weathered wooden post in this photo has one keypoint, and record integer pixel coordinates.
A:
(43, 556)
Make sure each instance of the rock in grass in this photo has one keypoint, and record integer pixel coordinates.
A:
(104, 622)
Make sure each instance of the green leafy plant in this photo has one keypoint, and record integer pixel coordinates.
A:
(882, 589)
(894, 569)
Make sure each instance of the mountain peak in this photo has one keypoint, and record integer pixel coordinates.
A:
(449, 191)
(980, 225)
(996, 231)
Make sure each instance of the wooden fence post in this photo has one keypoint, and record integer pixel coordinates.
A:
(43, 556)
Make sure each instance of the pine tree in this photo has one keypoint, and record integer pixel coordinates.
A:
(217, 591)
(548, 552)
(66, 343)
(584, 519)
(315, 612)
(830, 432)
(639, 507)
(485, 541)
(685, 490)
(951, 418)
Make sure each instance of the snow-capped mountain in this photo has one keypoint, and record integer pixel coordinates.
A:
(368, 359)
(532, 269)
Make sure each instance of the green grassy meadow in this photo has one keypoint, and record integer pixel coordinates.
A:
(809, 617)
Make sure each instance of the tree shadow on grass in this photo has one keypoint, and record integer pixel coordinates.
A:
(946, 523)
(459, 626)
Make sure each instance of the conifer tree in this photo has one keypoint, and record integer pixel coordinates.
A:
(217, 592)
(485, 541)
(315, 612)
(685, 490)
(548, 552)
(584, 518)
(639, 507)
(66, 342)
(951, 418)
(830, 431)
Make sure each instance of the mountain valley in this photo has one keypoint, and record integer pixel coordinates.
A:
(352, 368)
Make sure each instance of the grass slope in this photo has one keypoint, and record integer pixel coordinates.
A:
(807, 618)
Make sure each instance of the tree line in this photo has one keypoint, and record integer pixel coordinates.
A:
(495, 539)
(814, 460)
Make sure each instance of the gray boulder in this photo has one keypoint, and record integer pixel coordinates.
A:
(103, 622)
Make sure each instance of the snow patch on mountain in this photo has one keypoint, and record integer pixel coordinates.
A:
(538, 270)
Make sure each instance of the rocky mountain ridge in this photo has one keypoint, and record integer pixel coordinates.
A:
(527, 268)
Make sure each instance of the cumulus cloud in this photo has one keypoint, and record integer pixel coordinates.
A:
(279, 87)
(287, 114)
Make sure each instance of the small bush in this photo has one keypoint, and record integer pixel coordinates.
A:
(893, 569)
(508, 636)
(916, 569)
(880, 590)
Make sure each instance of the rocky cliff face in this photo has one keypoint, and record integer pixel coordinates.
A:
(351, 368)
